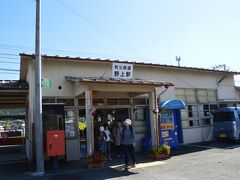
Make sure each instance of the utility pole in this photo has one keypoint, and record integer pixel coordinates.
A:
(38, 95)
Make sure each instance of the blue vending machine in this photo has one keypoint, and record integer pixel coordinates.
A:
(170, 122)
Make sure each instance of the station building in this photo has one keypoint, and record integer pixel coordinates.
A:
(95, 92)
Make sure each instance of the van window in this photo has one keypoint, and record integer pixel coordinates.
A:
(223, 116)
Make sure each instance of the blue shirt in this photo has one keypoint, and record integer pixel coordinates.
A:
(128, 136)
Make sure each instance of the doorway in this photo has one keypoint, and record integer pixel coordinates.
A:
(108, 117)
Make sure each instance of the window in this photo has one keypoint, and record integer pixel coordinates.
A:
(206, 110)
(193, 115)
(181, 94)
(212, 96)
(191, 95)
(223, 105)
(112, 101)
(139, 114)
(118, 101)
(207, 113)
(213, 107)
(202, 95)
(192, 110)
(123, 101)
(67, 102)
(206, 121)
(50, 100)
(81, 102)
(98, 102)
(139, 101)
(223, 116)
(194, 122)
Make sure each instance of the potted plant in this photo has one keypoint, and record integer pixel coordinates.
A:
(161, 152)
(96, 160)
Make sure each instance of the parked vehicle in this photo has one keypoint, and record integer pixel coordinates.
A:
(226, 123)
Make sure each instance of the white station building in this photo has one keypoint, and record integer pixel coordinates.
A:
(98, 91)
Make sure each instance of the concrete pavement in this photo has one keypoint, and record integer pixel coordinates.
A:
(213, 160)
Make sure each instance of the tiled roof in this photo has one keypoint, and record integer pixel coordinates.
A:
(119, 81)
(12, 84)
(23, 55)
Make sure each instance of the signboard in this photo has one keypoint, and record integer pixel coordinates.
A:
(122, 71)
(46, 83)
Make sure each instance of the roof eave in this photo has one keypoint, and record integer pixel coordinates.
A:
(67, 58)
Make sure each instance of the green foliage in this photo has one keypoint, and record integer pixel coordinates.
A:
(162, 149)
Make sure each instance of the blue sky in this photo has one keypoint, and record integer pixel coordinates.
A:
(203, 32)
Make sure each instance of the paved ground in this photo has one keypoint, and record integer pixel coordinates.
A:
(203, 161)
(12, 153)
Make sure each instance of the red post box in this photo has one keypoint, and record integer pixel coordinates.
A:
(56, 143)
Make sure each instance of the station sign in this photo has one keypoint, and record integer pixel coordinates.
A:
(122, 71)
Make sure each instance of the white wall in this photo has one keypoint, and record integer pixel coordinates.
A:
(58, 69)
(198, 134)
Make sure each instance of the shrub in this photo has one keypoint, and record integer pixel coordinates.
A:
(162, 149)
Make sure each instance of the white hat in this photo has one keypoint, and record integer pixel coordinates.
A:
(128, 121)
(101, 128)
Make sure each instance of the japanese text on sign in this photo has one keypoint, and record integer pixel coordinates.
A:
(122, 71)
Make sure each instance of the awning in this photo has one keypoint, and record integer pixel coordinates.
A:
(172, 104)
(120, 81)
(13, 94)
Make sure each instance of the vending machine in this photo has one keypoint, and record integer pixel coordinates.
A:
(170, 126)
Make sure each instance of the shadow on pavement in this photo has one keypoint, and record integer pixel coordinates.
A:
(12, 153)
(91, 174)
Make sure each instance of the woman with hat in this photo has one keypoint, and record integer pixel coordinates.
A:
(128, 141)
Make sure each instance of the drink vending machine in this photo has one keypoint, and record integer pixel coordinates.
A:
(170, 126)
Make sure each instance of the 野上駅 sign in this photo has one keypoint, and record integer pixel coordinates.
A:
(122, 71)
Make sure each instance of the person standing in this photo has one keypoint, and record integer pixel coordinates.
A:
(108, 141)
(102, 141)
(117, 138)
(128, 141)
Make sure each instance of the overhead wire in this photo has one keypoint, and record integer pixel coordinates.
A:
(3, 69)
(96, 27)
(8, 54)
(7, 73)
(1, 57)
(81, 52)
(9, 62)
